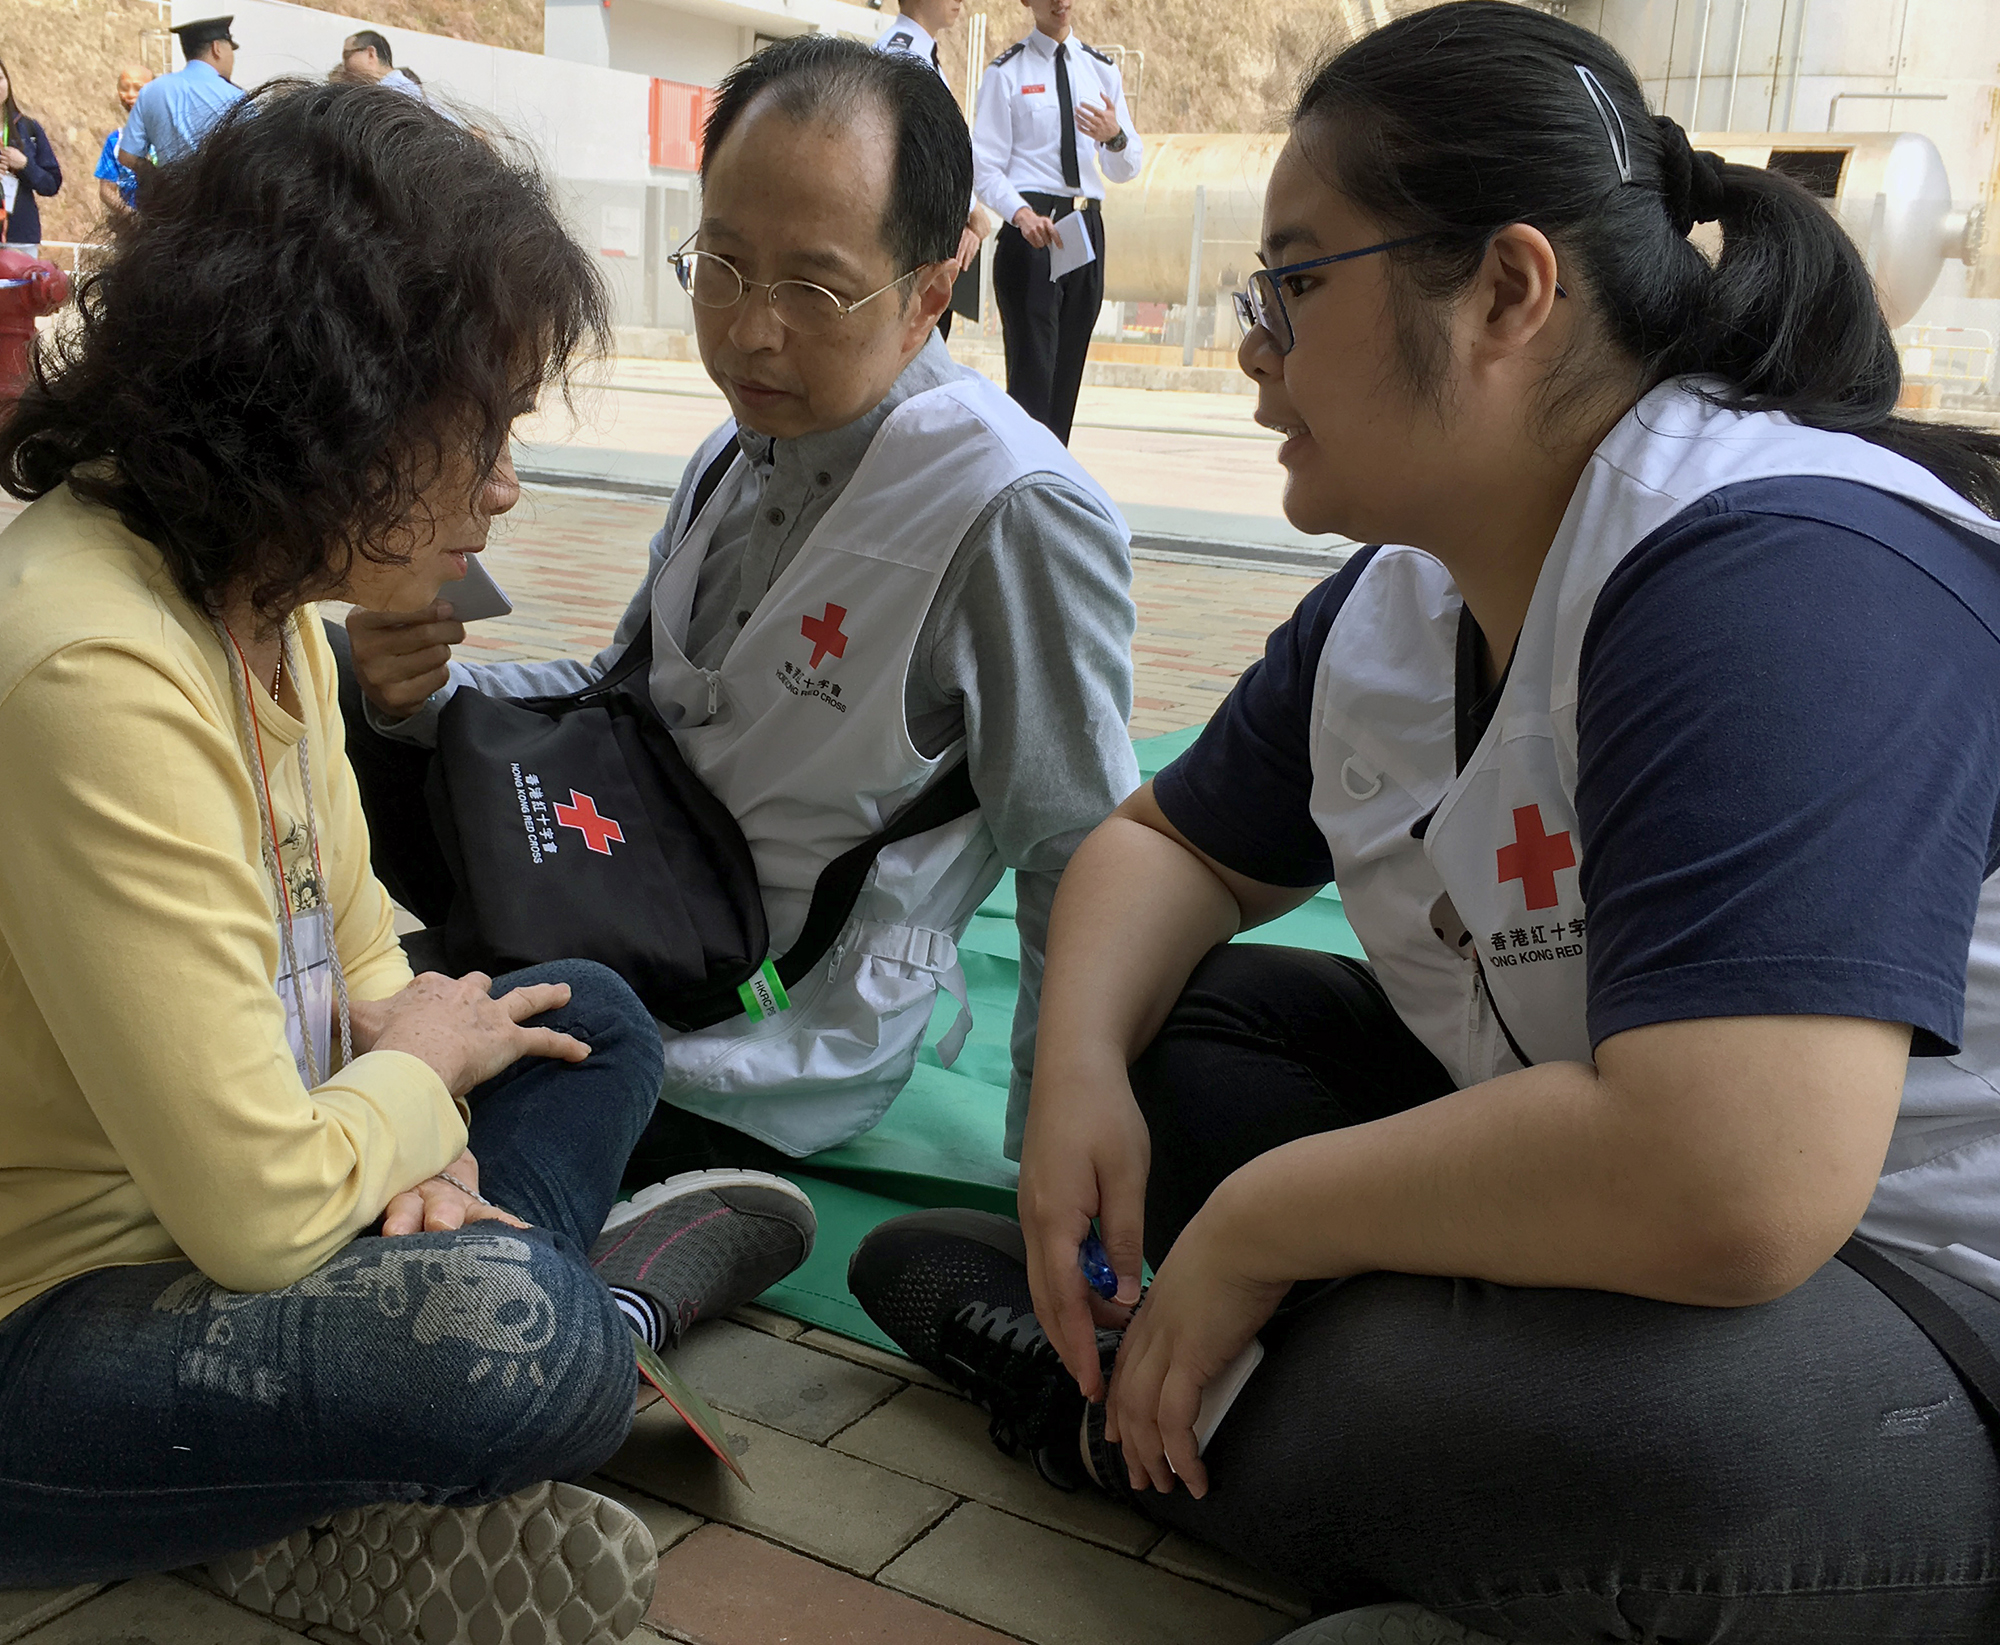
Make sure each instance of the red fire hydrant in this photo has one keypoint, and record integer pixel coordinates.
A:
(29, 288)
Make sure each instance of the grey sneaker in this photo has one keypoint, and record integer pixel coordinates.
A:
(702, 1243)
(552, 1565)
(1399, 1624)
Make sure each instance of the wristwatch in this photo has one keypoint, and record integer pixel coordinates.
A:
(1117, 144)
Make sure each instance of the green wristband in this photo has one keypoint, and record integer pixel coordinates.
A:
(764, 995)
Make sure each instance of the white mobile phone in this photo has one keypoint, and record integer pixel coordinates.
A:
(475, 595)
(1220, 1394)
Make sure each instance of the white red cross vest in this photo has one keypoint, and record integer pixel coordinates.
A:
(1492, 879)
(802, 733)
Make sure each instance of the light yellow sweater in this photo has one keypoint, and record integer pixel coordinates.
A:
(150, 1107)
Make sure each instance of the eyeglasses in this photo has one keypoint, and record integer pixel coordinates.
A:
(801, 306)
(1264, 304)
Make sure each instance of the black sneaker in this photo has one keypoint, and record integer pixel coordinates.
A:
(697, 1245)
(950, 1288)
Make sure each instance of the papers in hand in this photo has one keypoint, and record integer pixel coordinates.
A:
(1071, 248)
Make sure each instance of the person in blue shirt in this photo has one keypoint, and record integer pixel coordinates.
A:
(118, 185)
(175, 112)
(28, 167)
(1619, 1213)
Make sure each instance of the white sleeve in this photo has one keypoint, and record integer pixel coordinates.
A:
(1123, 166)
(993, 146)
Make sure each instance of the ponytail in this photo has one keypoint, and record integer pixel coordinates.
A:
(1454, 122)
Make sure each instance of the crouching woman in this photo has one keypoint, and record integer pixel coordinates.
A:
(292, 1247)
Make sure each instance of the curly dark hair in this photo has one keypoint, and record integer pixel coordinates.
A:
(338, 297)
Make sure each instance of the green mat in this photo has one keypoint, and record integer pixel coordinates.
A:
(939, 1144)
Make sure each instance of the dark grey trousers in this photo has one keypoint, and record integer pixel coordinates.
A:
(1558, 1465)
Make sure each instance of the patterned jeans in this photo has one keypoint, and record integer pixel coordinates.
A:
(150, 1419)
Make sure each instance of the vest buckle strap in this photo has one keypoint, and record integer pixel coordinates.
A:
(915, 945)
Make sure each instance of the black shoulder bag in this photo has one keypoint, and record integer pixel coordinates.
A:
(574, 828)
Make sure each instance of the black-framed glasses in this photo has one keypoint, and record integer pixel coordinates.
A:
(1264, 304)
(801, 306)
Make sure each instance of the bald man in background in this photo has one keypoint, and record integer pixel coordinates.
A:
(118, 185)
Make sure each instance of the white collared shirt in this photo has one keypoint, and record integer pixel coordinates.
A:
(1017, 133)
(907, 34)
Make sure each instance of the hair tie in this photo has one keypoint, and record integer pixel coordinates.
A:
(1691, 180)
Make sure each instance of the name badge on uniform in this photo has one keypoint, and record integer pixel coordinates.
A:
(1027, 91)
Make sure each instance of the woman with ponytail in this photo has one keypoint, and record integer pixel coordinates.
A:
(1623, 1236)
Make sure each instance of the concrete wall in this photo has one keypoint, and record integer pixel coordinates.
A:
(675, 45)
(643, 38)
(693, 41)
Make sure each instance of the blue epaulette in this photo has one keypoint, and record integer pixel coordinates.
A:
(1100, 56)
(1011, 53)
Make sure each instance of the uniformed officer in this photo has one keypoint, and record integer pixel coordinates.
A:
(1040, 97)
(916, 29)
(174, 111)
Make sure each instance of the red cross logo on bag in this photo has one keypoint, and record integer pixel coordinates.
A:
(581, 814)
(1534, 857)
(824, 632)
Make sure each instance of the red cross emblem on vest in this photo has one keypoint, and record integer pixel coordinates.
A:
(1534, 857)
(581, 814)
(824, 632)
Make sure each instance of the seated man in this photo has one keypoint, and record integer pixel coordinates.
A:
(898, 569)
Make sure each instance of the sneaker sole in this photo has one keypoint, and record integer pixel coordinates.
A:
(695, 1182)
(1400, 1623)
(552, 1565)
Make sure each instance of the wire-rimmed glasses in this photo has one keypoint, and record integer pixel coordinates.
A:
(801, 306)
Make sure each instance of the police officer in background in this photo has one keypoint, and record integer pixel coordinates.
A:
(174, 112)
(1051, 117)
(916, 29)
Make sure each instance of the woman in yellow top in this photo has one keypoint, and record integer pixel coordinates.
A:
(292, 1247)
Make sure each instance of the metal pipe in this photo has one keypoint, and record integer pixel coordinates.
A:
(1777, 52)
(975, 63)
(1194, 274)
(1881, 97)
(1700, 62)
(1798, 56)
(1736, 61)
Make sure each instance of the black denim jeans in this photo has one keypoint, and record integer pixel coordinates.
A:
(1557, 1465)
(150, 1419)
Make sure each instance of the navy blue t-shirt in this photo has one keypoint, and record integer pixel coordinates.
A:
(1788, 778)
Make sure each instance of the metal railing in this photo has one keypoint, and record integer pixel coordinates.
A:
(70, 255)
(1951, 359)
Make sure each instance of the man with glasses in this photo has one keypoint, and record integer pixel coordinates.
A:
(896, 568)
(367, 55)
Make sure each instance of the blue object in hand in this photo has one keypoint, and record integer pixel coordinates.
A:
(1096, 1266)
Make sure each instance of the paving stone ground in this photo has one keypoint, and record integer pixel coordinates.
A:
(881, 1512)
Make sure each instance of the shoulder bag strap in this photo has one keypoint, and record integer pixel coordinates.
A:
(838, 887)
(638, 656)
(837, 890)
(1961, 1346)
